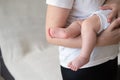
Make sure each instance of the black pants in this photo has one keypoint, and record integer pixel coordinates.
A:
(4, 71)
(105, 71)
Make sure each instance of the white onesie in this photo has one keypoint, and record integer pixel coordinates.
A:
(102, 14)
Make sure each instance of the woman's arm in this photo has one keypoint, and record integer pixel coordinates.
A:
(57, 17)
(114, 30)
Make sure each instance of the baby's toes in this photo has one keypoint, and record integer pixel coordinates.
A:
(73, 68)
(70, 64)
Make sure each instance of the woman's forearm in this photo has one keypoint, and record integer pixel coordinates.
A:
(71, 42)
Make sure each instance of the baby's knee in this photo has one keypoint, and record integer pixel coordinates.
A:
(78, 22)
(91, 24)
(86, 25)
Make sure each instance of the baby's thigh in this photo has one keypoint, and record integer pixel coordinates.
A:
(75, 25)
(92, 22)
(99, 19)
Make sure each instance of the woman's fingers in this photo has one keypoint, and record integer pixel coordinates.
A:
(112, 16)
(115, 30)
(115, 24)
(105, 7)
(114, 12)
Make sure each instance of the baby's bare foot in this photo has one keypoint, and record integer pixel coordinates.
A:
(78, 62)
(58, 33)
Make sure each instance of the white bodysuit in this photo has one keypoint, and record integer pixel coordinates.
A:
(81, 9)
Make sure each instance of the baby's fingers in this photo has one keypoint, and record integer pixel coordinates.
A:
(115, 24)
(112, 15)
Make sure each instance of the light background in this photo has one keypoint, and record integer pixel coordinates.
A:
(27, 18)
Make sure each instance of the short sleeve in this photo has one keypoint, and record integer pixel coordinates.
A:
(61, 3)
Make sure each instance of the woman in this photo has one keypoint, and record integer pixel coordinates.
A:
(103, 61)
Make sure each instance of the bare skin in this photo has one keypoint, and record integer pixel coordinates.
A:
(88, 33)
(114, 6)
(71, 31)
(108, 37)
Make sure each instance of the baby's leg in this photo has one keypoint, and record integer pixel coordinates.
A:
(89, 30)
(71, 31)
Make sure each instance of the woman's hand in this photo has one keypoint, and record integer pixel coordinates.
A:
(111, 35)
(113, 5)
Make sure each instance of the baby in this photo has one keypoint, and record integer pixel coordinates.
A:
(88, 29)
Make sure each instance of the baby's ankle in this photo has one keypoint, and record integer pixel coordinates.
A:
(84, 57)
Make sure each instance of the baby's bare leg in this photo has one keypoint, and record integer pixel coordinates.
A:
(89, 30)
(71, 31)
